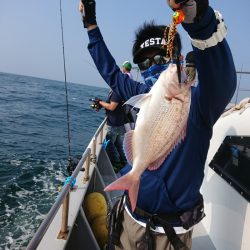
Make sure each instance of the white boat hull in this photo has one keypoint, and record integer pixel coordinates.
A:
(227, 218)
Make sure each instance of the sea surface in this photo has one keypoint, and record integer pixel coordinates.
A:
(34, 148)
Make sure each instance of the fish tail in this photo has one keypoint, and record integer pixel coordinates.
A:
(126, 182)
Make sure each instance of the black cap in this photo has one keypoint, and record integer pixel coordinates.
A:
(150, 37)
(151, 44)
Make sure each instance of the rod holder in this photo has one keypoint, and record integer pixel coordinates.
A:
(101, 136)
(63, 234)
(86, 176)
(93, 155)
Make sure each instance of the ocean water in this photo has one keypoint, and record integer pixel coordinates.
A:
(34, 148)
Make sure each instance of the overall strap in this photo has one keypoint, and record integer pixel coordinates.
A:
(173, 238)
(153, 220)
(115, 223)
(170, 233)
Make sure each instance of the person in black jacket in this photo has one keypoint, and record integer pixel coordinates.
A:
(116, 119)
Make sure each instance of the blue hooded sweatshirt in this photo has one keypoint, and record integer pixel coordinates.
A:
(175, 186)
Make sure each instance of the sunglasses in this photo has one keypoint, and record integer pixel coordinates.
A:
(157, 59)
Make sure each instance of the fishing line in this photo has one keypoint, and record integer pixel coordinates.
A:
(66, 88)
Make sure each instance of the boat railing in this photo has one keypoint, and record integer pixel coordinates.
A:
(90, 154)
(242, 89)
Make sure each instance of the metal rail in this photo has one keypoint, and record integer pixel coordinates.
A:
(243, 72)
(100, 128)
(50, 216)
(93, 150)
(35, 241)
(239, 83)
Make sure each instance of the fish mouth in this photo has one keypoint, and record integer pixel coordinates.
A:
(178, 97)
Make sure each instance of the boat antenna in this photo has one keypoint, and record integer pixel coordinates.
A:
(71, 162)
(238, 87)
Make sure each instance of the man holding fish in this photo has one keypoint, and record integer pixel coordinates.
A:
(167, 149)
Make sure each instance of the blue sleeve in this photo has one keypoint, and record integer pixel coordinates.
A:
(115, 98)
(216, 73)
(121, 83)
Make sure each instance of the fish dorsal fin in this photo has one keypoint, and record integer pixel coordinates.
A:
(127, 145)
(136, 101)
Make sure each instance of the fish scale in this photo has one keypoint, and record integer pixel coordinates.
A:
(171, 121)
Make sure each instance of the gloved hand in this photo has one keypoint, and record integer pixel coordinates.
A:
(193, 9)
(88, 12)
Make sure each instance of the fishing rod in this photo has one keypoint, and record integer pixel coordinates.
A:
(71, 162)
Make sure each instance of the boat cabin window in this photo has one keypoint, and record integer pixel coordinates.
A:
(232, 163)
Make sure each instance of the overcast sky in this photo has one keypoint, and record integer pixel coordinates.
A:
(30, 35)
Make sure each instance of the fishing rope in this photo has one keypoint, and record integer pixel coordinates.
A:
(65, 82)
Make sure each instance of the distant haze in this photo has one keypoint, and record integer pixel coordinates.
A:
(31, 35)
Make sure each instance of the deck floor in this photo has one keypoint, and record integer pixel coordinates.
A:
(201, 239)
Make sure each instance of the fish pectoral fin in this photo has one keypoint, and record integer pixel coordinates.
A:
(127, 146)
(126, 182)
(136, 101)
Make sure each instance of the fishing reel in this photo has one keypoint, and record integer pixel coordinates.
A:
(72, 164)
(95, 103)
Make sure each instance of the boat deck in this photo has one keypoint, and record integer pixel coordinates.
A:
(201, 239)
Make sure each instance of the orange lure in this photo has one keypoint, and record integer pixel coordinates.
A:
(178, 17)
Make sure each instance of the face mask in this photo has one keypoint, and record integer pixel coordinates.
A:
(152, 74)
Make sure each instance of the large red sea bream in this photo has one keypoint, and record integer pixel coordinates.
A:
(160, 126)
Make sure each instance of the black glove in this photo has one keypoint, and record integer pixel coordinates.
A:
(193, 9)
(95, 103)
(89, 17)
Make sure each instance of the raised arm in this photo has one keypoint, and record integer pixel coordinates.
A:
(213, 59)
(104, 61)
